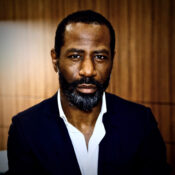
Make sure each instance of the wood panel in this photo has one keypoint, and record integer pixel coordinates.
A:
(144, 65)
(3, 137)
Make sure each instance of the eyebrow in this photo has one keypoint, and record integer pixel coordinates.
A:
(75, 50)
(102, 51)
(82, 51)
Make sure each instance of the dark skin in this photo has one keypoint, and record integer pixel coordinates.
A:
(85, 53)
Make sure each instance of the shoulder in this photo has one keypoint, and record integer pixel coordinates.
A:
(39, 110)
(128, 112)
(33, 122)
(117, 103)
(130, 118)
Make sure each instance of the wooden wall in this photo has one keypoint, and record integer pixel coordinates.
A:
(144, 67)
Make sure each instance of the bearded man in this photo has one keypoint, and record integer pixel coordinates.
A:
(82, 129)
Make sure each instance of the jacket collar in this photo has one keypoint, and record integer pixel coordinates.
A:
(111, 123)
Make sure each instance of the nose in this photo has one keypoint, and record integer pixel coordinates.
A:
(87, 68)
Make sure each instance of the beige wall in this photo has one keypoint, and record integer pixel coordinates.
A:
(144, 67)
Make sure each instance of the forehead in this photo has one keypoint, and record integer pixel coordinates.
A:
(84, 34)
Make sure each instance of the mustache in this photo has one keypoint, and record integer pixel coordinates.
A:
(69, 87)
(86, 80)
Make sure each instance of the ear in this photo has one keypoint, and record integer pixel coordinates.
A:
(54, 60)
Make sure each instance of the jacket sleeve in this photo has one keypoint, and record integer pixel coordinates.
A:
(20, 157)
(152, 153)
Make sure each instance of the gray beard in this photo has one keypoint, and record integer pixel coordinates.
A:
(84, 102)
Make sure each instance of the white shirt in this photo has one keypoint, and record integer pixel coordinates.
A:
(87, 159)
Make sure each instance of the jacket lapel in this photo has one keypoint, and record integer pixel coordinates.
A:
(60, 141)
(109, 148)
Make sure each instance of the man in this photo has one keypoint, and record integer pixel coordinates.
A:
(82, 129)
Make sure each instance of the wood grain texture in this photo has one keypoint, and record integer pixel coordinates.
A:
(144, 65)
(3, 137)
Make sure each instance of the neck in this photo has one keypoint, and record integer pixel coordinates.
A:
(83, 121)
(76, 116)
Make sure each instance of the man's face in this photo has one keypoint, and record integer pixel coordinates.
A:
(85, 64)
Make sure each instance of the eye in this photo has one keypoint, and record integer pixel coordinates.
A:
(100, 57)
(75, 56)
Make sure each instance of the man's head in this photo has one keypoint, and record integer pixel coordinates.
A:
(87, 17)
(84, 51)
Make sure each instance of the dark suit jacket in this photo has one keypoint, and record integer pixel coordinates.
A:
(39, 143)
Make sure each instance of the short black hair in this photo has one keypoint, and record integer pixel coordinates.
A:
(85, 16)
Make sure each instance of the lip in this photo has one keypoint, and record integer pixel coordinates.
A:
(86, 88)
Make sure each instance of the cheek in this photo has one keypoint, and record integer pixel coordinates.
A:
(69, 71)
(103, 72)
